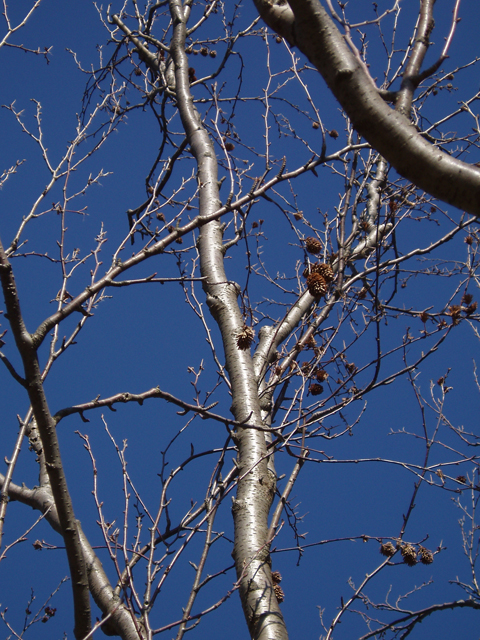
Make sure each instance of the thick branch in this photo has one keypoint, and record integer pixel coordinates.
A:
(388, 131)
(48, 435)
(256, 486)
(411, 76)
(120, 620)
(125, 397)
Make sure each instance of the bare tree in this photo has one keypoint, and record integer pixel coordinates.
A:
(320, 271)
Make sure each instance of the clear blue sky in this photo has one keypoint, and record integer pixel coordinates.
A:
(147, 336)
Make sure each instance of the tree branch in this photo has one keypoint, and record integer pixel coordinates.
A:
(256, 487)
(48, 435)
(388, 131)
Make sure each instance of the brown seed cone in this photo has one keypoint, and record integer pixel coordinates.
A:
(245, 338)
(325, 270)
(313, 245)
(454, 311)
(409, 555)
(279, 593)
(471, 308)
(387, 549)
(317, 285)
(276, 577)
(426, 556)
(321, 375)
(315, 389)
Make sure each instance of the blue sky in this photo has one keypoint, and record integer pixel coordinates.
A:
(145, 335)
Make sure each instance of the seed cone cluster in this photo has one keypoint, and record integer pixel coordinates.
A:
(276, 579)
(409, 554)
(324, 270)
